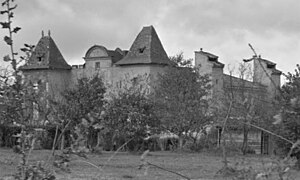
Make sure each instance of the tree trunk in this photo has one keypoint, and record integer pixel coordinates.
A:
(62, 145)
(54, 141)
(180, 143)
(98, 139)
(245, 140)
(224, 150)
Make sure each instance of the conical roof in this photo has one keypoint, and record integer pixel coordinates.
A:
(46, 55)
(146, 49)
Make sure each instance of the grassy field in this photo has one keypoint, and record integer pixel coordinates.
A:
(126, 165)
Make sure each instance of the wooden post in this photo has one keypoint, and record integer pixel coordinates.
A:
(62, 145)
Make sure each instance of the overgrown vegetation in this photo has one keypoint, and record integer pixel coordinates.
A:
(182, 99)
(288, 118)
(130, 115)
(86, 120)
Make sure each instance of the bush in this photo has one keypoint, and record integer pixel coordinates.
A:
(7, 138)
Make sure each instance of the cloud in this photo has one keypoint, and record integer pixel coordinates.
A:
(222, 27)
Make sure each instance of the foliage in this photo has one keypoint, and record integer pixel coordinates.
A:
(35, 172)
(86, 97)
(82, 103)
(179, 61)
(276, 169)
(19, 97)
(249, 104)
(14, 92)
(182, 99)
(290, 113)
(130, 114)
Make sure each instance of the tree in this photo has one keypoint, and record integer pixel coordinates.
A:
(249, 106)
(182, 99)
(81, 105)
(87, 96)
(129, 116)
(17, 95)
(290, 113)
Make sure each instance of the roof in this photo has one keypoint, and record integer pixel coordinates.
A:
(276, 72)
(146, 49)
(209, 55)
(213, 58)
(235, 82)
(115, 55)
(269, 64)
(218, 64)
(46, 55)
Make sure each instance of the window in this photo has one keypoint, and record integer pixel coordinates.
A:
(119, 84)
(35, 86)
(141, 50)
(97, 65)
(47, 86)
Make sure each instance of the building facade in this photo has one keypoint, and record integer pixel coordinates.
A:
(48, 69)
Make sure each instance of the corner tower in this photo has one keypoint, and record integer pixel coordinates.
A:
(265, 73)
(47, 69)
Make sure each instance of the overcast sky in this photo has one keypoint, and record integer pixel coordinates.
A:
(222, 27)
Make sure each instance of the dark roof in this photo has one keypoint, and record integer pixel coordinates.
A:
(115, 55)
(218, 64)
(235, 82)
(209, 55)
(46, 55)
(213, 58)
(269, 64)
(146, 49)
(276, 72)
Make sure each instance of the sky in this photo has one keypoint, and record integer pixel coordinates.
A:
(222, 27)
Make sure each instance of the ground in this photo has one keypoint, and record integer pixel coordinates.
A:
(126, 165)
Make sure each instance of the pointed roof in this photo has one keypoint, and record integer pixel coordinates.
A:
(46, 55)
(146, 49)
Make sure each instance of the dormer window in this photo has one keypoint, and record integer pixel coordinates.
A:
(97, 65)
(40, 59)
(141, 50)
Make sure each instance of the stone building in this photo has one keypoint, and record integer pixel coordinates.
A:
(262, 91)
(48, 70)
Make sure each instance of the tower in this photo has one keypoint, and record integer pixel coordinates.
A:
(47, 68)
(265, 73)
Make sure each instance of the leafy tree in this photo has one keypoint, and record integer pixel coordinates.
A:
(249, 106)
(86, 97)
(81, 104)
(129, 115)
(290, 113)
(182, 99)
(17, 96)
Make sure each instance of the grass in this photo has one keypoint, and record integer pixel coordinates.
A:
(126, 165)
